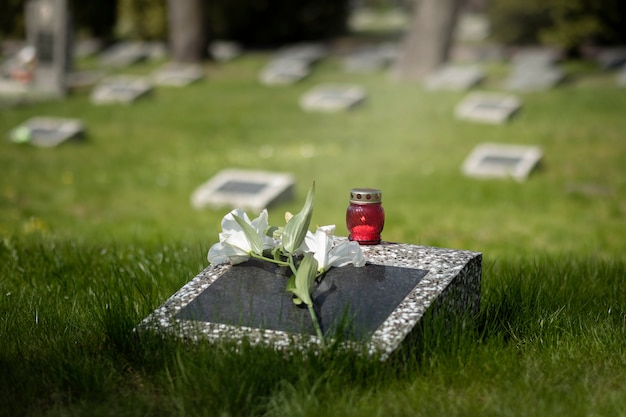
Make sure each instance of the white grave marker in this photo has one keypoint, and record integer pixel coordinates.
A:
(223, 51)
(491, 160)
(47, 132)
(534, 79)
(178, 75)
(124, 54)
(487, 107)
(244, 189)
(284, 71)
(120, 89)
(332, 97)
(455, 78)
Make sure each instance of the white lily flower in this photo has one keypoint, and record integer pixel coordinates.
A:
(327, 255)
(234, 246)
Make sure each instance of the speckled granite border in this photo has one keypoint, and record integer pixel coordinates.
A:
(452, 281)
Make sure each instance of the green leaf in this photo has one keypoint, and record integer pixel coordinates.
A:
(256, 244)
(302, 284)
(298, 225)
(291, 287)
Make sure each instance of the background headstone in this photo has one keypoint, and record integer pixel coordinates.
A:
(284, 71)
(178, 74)
(245, 189)
(493, 160)
(487, 107)
(332, 97)
(455, 78)
(49, 30)
(47, 132)
(120, 89)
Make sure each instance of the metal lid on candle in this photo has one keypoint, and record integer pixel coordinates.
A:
(365, 196)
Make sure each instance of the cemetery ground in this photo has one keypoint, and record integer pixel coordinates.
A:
(96, 234)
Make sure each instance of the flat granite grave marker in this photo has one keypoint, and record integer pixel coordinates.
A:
(47, 132)
(455, 78)
(487, 107)
(284, 71)
(306, 52)
(332, 97)
(376, 307)
(49, 31)
(124, 54)
(367, 59)
(223, 51)
(492, 160)
(534, 78)
(177, 75)
(244, 189)
(120, 90)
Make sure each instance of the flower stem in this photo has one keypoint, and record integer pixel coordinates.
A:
(316, 324)
(264, 258)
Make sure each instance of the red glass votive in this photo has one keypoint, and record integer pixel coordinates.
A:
(365, 217)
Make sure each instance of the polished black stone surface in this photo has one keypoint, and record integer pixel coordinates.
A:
(353, 301)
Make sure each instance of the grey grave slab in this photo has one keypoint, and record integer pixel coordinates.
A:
(178, 75)
(455, 78)
(306, 52)
(120, 89)
(493, 160)
(533, 57)
(224, 51)
(123, 54)
(332, 97)
(534, 78)
(612, 58)
(381, 304)
(367, 60)
(47, 132)
(86, 47)
(245, 189)
(84, 79)
(487, 107)
(48, 29)
(284, 71)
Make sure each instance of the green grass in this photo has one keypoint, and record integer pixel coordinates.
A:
(96, 235)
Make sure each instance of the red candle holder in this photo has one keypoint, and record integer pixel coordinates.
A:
(365, 217)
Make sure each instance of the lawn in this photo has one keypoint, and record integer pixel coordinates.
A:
(95, 235)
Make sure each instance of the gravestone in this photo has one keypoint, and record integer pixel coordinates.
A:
(534, 79)
(47, 132)
(124, 54)
(48, 29)
(376, 308)
(245, 189)
(305, 52)
(455, 78)
(612, 58)
(84, 79)
(224, 51)
(178, 75)
(120, 89)
(534, 57)
(492, 160)
(284, 71)
(370, 58)
(486, 107)
(332, 97)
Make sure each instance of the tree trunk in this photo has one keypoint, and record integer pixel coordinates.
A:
(427, 44)
(187, 30)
